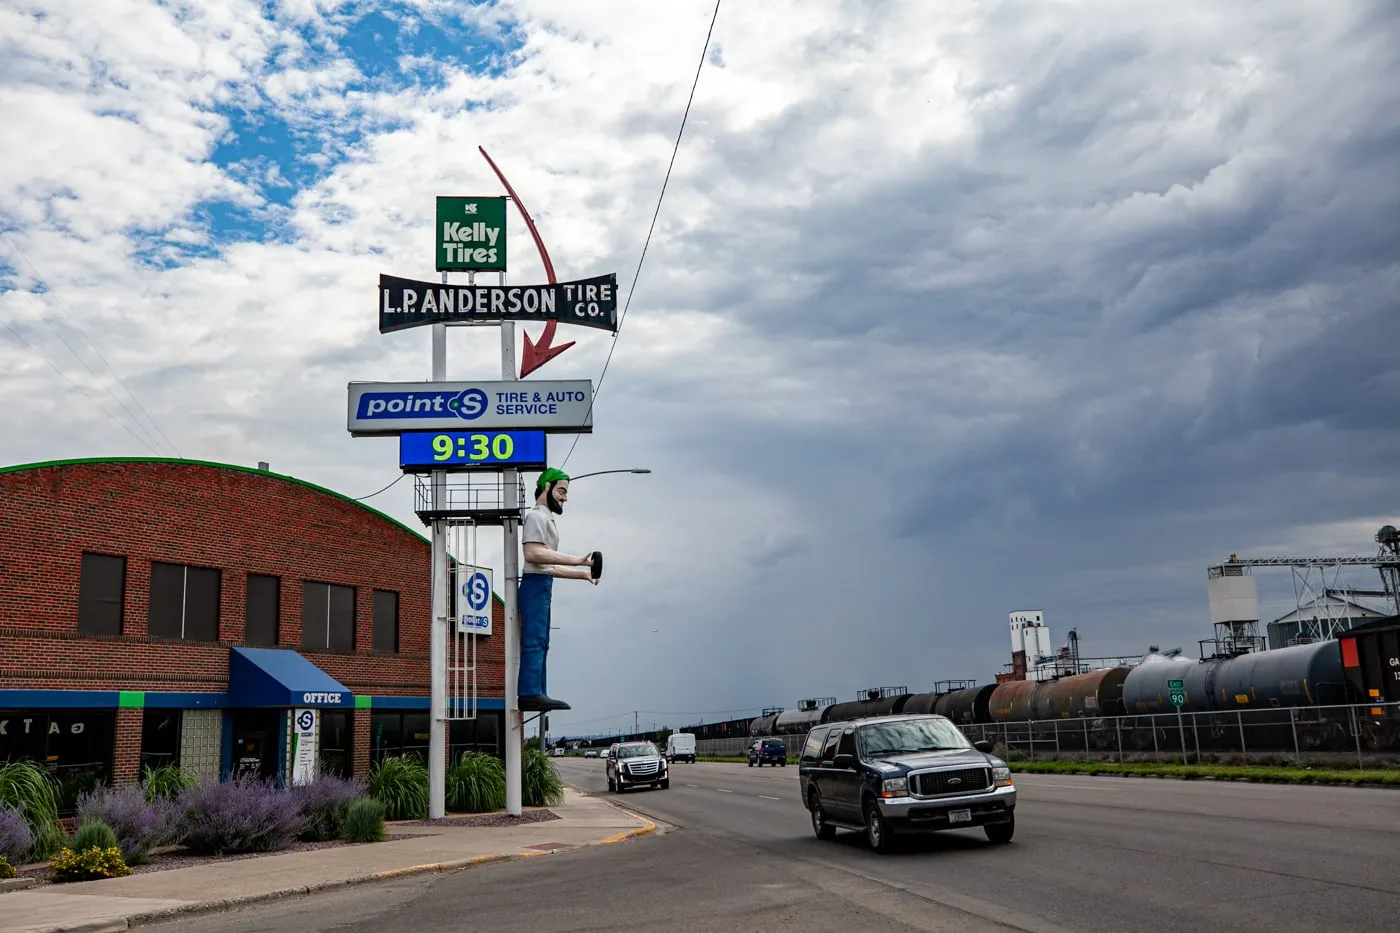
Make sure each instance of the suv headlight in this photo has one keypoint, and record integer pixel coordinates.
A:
(894, 787)
(1001, 776)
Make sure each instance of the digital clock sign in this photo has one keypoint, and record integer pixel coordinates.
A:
(521, 450)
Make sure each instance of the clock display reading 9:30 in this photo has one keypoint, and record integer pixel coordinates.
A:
(471, 448)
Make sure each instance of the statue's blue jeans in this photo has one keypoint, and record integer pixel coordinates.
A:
(536, 596)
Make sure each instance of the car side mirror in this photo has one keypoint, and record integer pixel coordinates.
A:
(983, 746)
(844, 761)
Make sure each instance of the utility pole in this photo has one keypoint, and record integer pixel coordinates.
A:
(515, 724)
(437, 636)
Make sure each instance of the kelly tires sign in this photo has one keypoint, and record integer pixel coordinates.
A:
(387, 408)
(471, 234)
(405, 303)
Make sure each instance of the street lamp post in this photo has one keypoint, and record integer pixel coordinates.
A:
(544, 717)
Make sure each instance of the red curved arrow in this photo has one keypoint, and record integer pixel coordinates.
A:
(536, 354)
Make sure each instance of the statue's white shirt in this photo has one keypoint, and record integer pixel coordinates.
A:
(539, 528)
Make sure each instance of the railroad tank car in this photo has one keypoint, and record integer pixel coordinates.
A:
(859, 709)
(797, 721)
(921, 703)
(1096, 693)
(1301, 675)
(964, 706)
(763, 725)
(1012, 701)
(1145, 689)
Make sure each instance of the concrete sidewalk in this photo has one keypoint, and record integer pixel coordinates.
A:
(120, 903)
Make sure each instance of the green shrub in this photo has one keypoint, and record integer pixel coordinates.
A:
(88, 864)
(7, 870)
(400, 782)
(476, 783)
(94, 834)
(364, 821)
(540, 785)
(48, 841)
(166, 782)
(28, 789)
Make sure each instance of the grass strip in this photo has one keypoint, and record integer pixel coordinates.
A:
(1256, 773)
(730, 758)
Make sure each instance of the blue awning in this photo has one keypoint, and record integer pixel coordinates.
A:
(282, 678)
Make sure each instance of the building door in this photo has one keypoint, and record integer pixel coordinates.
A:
(256, 735)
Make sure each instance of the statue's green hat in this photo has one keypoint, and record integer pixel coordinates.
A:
(550, 475)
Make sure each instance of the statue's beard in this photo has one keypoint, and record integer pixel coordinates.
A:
(554, 504)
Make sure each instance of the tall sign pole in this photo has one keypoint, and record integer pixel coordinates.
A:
(437, 639)
(515, 724)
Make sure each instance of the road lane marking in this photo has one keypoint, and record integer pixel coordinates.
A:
(692, 785)
(766, 797)
(723, 791)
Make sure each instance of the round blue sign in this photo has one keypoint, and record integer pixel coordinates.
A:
(469, 405)
(477, 591)
(305, 720)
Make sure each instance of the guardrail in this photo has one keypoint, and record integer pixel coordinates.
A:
(1338, 736)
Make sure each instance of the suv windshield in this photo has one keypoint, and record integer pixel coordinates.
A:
(636, 751)
(894, 738)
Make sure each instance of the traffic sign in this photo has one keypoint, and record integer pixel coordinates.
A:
(1177, 693)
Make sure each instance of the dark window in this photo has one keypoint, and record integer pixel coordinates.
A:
(482, 734)
(829, 751)
(75, 747)
(184, 602)
(386, 735)
(386, 621)
(328, 616)
(101, 589)
(160, 737)
(848, 743)
(813, 749)
(337, 743)
(264, 607)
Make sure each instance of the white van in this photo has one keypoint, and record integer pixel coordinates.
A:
(680, 745)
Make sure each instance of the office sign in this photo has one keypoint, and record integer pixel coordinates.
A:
(385, 408)
(471, 234)
(405, 303)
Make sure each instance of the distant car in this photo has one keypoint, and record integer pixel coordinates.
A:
(889, 776)
(633, 764)
(768, 751)
(590, 753)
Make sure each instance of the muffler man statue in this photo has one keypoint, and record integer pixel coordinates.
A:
(543, 562)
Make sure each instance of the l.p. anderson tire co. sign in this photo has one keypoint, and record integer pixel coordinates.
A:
(404, 303)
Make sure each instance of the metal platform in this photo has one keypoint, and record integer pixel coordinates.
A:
(479, 498)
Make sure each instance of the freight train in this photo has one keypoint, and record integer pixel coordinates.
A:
(1303, 697)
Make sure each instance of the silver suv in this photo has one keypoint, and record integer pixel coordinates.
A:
(633, 764)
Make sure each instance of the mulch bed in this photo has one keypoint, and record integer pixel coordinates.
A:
(167, 859)
(487, 819)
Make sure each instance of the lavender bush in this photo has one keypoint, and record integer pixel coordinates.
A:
(323, 803)
(15, 837)
(140, 825)
(240, 815)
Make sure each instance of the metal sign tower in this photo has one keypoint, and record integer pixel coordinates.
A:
(467, 442)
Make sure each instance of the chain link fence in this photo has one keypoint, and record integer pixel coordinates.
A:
(1322, 736)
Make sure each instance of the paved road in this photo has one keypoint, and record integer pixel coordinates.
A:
(1091, 853)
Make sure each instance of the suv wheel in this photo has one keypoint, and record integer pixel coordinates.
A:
(876, 832)
(1000, 833)
(824, 830)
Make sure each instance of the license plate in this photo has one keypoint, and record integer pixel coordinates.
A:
(959, 816)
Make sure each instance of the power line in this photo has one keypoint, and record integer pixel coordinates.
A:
(633, 289)
(39, 277)
(385, 489)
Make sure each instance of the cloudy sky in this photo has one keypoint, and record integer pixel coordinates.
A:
(952, 308)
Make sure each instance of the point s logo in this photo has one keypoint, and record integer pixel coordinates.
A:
(477, 591)
(469, 405)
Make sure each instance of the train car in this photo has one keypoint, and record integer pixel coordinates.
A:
(859, 709)
(1145, 690)
(921, 703)
(1371, 662)
(1096, 693)
(763, 725)
(1301, 675)
(964, 706)
(797, 721)
(1012, 701)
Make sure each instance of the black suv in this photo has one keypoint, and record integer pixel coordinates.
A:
(768, 751)
(893, 775)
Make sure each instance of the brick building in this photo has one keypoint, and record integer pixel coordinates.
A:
(158, 610)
